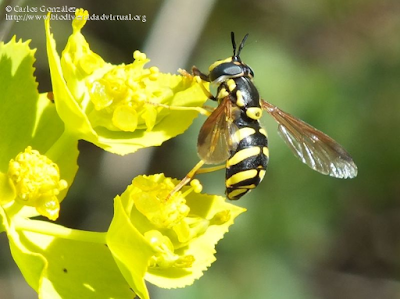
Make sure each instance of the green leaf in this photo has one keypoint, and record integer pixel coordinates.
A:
(57, 145)
(58, 267)
(130, 250)
(19, 98)
(68, 109)
(30, 119)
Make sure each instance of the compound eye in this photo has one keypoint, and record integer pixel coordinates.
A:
(251, 72)
(254, 112)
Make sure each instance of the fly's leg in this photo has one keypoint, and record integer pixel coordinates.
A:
(211, 169)
(195, 170)
(198, 73)
(199, 77)
(203, 111)
(186, 179)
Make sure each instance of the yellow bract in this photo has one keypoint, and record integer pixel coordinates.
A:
(177, 231)
(120, 108)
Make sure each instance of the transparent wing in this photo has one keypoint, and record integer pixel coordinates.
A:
(311, 146)
(217, 135)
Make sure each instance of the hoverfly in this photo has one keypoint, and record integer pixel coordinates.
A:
(233, 134)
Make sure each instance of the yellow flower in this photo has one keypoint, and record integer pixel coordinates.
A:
(123, 95)
(167, 239)
(120, 108)
(36, 180)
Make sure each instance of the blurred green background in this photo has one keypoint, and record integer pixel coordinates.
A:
(334, 64)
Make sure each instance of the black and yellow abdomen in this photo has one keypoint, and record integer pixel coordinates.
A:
(247, 164)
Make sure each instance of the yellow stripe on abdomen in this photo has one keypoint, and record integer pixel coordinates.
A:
(241, 176)
(261, 174)
(242, 155)
(266, 151)
(237, 193)
(243, 133)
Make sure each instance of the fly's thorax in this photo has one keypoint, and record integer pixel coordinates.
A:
(244, 95)
(229, 68)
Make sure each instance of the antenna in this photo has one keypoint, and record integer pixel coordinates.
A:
(236, 55)
(233, 43)
(242, 44)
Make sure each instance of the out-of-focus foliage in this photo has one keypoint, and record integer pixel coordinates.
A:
(336, 65)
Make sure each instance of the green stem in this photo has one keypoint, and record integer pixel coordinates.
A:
(51, 229)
